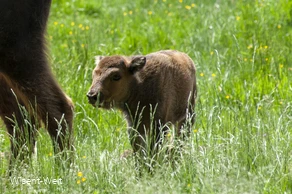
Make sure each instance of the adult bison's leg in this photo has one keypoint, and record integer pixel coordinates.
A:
(55, 109)
(59, 117)
(20, 125)
(42, 93)
(24, 64)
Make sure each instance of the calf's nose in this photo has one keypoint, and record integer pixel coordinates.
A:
(92, 97)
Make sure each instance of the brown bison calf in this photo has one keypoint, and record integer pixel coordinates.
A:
(26, 79)
(151, 91)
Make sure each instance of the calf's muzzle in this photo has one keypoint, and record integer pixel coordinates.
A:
(95, 98)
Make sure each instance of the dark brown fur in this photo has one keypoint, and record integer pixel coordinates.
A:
(26, 79)
(161, 84)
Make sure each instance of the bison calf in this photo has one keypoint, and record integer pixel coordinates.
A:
(151, 91)
(26, 79)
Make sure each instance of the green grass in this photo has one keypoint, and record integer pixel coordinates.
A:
(241, 142)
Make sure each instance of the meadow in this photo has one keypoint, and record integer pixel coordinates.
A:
(242, 139)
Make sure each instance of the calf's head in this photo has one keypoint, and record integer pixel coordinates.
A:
(112, 78)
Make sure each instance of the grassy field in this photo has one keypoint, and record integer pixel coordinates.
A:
(242, 139)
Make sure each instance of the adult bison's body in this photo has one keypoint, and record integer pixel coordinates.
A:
(151, 90)
(26, 79)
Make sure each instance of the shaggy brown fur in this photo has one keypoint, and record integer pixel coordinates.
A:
(26, 79)
(160, 87)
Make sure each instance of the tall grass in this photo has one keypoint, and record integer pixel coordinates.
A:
(241, 142)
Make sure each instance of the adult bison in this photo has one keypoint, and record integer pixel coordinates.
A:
(26, 79)
(151, 91)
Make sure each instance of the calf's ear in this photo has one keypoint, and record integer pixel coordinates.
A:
(98, 59)
(136, 64)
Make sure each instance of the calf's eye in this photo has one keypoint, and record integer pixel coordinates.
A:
(116, 77)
